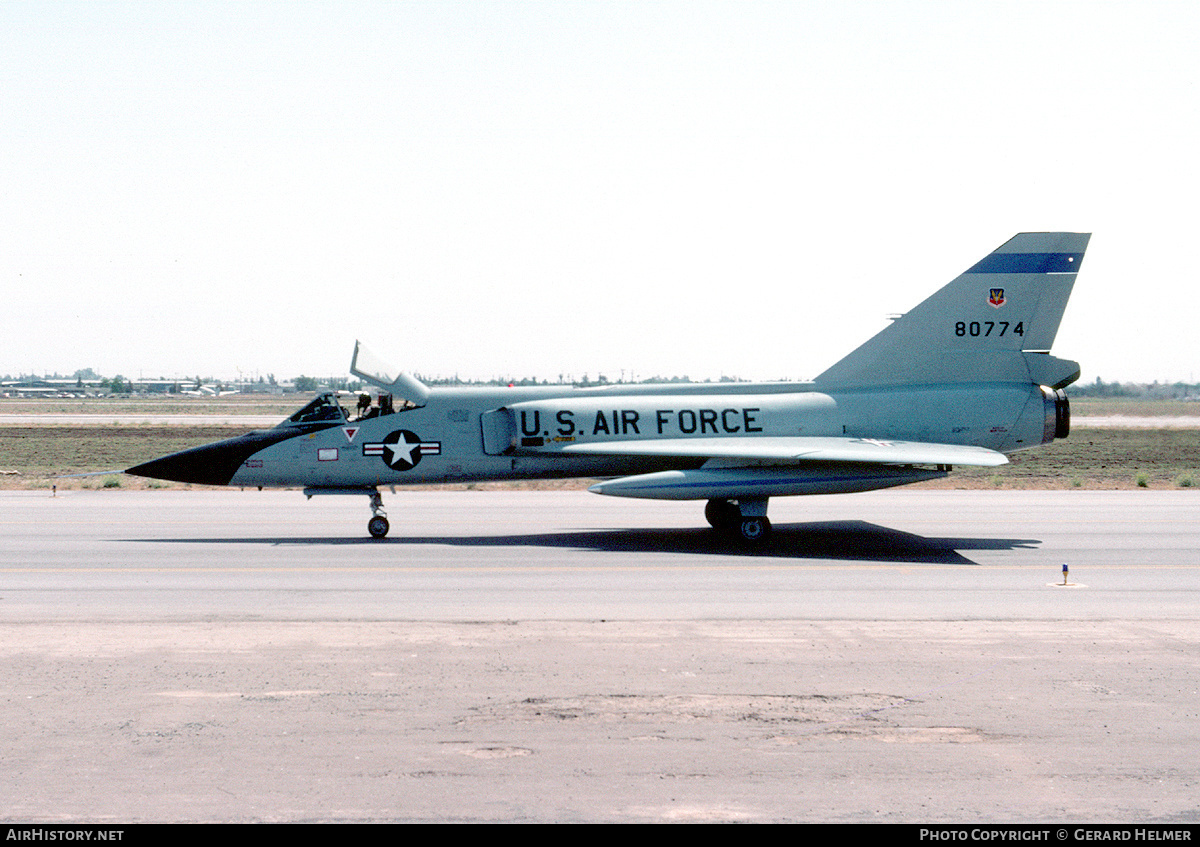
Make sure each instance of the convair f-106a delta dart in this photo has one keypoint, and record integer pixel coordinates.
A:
(962, 379)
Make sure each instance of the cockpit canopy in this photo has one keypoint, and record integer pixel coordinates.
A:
(323, 408)
(398, 392)
(326, 410)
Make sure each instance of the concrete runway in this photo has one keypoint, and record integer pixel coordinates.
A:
(512, 656)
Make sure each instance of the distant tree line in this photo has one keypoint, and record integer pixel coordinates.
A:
(120, 384)
(1152, 391)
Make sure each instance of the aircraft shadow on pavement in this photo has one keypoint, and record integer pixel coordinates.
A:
(856, 541)
(835, 540)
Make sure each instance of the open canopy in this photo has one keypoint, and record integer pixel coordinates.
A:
(369, 368)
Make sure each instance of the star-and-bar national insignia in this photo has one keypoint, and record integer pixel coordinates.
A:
(875, 442)
(402, 449)
(996, 298)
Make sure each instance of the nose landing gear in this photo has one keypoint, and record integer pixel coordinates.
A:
(378, 525)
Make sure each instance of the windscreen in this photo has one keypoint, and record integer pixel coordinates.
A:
(321, 409)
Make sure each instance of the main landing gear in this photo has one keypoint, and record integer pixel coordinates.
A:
(744, 520)
(378, 525)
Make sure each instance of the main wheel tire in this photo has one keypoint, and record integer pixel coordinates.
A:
(378, 527)
(722, 515)
(754, 531)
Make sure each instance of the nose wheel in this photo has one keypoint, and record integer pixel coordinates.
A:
(378, 525)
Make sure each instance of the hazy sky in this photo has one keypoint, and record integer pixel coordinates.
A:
(496, 189)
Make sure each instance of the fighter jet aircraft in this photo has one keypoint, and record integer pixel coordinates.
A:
(962, 379)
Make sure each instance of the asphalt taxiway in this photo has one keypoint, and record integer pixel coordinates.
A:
(894, 656)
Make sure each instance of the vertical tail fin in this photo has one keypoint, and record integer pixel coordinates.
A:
(994, 323)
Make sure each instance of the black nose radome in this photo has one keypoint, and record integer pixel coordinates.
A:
(210, 464)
